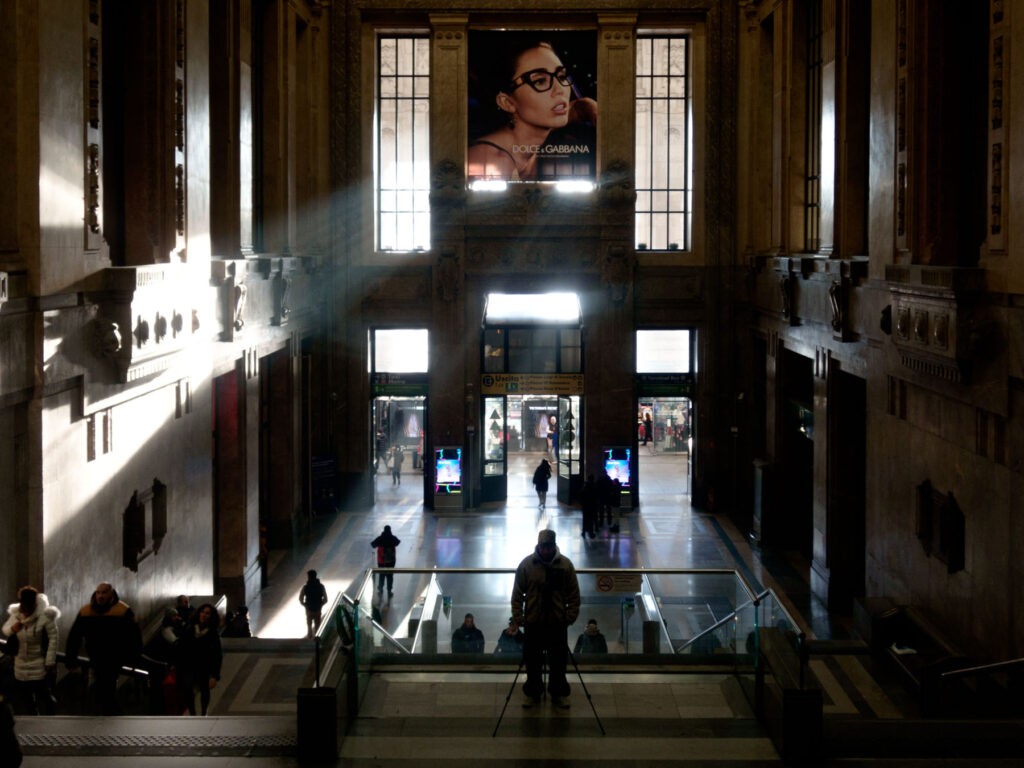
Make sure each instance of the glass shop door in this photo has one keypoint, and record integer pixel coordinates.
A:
(494, 441)
(570, 447)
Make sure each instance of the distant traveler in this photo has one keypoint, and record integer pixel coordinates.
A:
(396, 465)
(386, 557)
(540, 481)
(313, 596)
(590, 501)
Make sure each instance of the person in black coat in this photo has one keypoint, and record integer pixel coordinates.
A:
(385, 545)
(468, 638)
(198, 658)
(112, 639)
(541, 475)
(591, 640)
(590, 500)
(510, 642)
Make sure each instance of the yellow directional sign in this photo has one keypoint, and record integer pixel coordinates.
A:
(531, 384)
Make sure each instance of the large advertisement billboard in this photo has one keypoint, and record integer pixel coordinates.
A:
(532, 107)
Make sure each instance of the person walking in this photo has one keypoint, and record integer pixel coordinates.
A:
(540, 481)
(313, 596)
(34, 622)
(608, 492)
(545, 601)
(385, 545)
(649, 432)
(112, 640)
(198, 658)
(397, 457)
(590, 501)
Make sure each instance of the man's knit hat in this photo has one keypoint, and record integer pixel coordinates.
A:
(547, 536)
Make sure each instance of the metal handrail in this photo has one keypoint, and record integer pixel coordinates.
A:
(751, 593)
(83, 661)
(983, 668)
(376, 625)
(725, 620)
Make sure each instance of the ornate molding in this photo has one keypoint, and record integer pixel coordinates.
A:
(239, 295)
(447, 277)
(786, 296)
(617, 274)
(939, 328)
(139, 325)
(447, 185)
(616, 189)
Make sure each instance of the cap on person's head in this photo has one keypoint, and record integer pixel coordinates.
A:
(469, 616)
(591, 621)
(387, 529)
(311, 574)
(547, 536)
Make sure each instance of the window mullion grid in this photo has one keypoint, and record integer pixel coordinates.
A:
(686, 145)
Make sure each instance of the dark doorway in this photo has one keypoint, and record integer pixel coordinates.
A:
(230, 526)
(280, 494)
(847, 446)
(795, 514)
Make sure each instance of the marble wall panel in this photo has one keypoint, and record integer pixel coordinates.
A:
(84, 500)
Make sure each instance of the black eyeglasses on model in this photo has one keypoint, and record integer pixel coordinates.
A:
(541, 80)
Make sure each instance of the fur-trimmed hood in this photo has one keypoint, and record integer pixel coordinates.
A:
(43, 608)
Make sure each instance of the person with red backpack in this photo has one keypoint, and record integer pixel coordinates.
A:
(385, 545)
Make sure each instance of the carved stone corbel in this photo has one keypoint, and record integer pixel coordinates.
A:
(786, 296)
(447, 185)
(617, 274)
(282, 289)
(616, 189)
(238, 307)
(106, 338)
(448, 277)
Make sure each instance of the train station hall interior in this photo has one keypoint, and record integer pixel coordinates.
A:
(277, 273)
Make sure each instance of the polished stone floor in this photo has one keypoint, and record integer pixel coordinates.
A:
(426, 718)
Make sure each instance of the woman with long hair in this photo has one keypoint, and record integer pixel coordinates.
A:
(535, 95)
(199, 658)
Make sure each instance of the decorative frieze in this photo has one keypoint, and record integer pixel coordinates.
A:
(139, 323)
(93, 191)
(938, 330)
(92, 86)
(999, 115)
(997, 189)
(93, 74)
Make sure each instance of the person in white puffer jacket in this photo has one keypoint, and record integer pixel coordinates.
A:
(34, 621)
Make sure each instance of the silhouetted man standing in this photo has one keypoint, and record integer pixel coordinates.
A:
(546, 600)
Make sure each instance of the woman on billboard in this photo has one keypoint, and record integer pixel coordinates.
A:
(534, 95)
